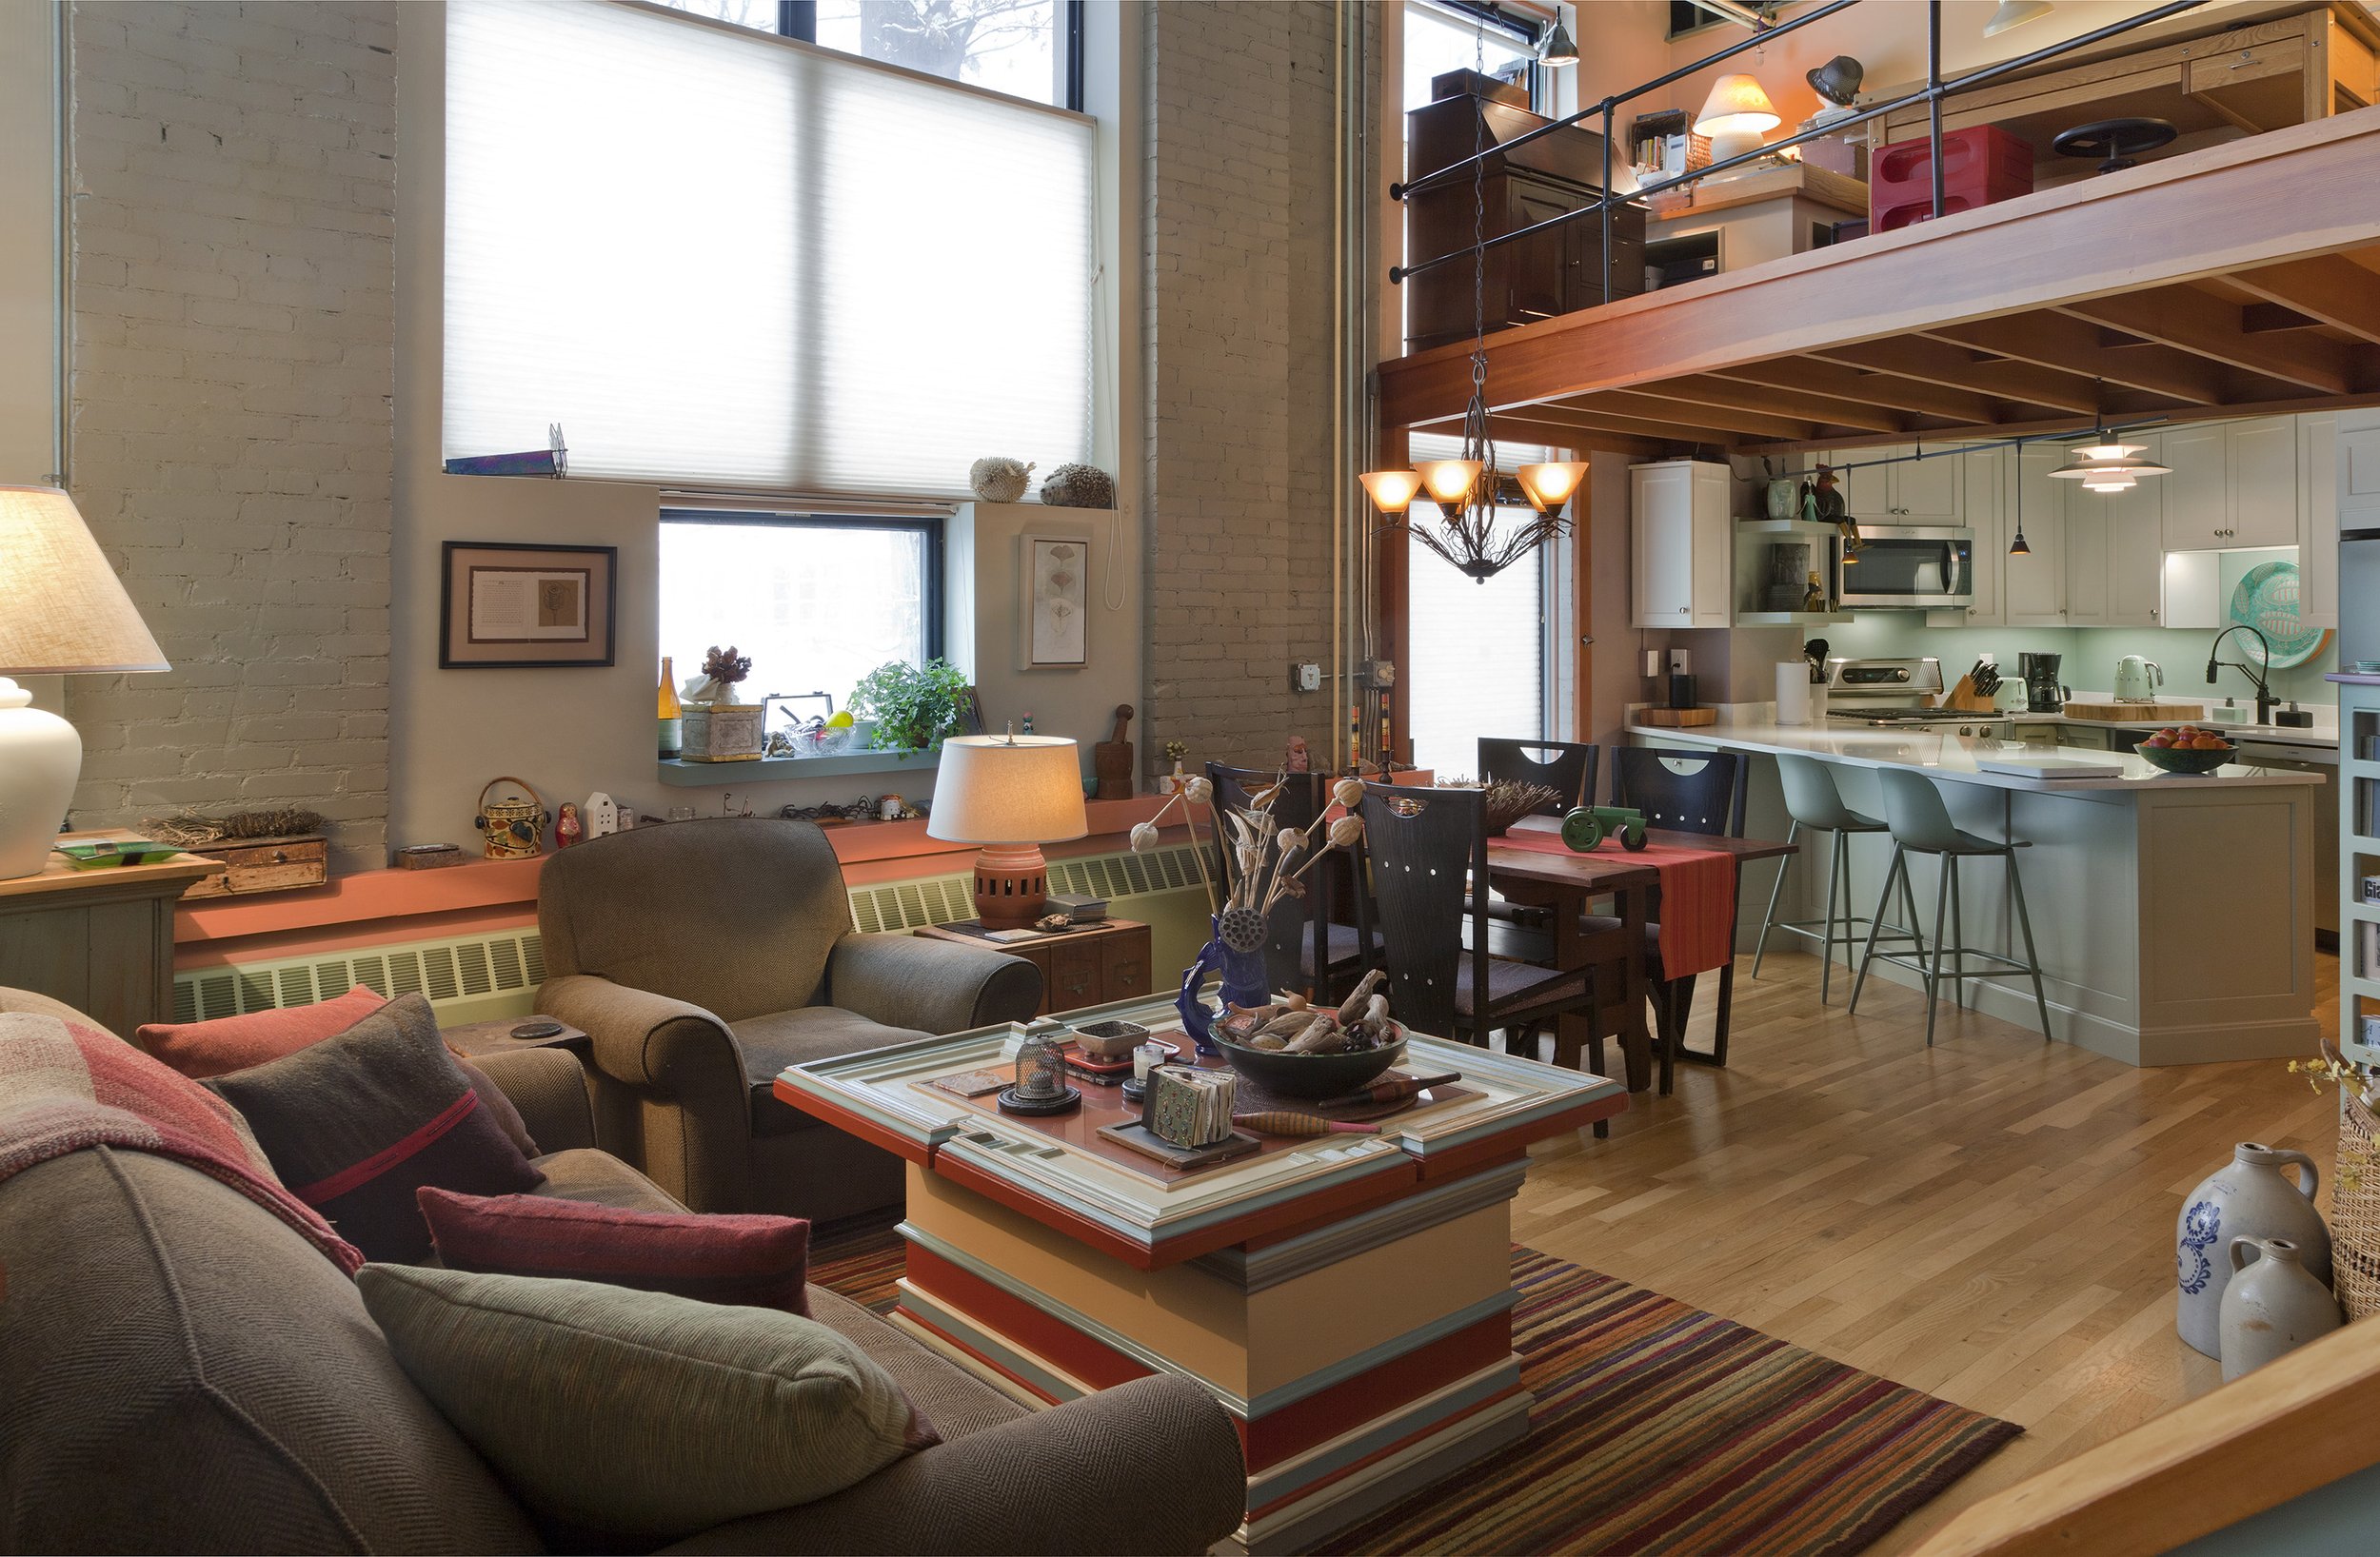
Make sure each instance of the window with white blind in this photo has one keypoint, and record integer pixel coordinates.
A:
(722, 258)
(1477, 650)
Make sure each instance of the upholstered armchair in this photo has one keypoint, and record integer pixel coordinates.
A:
(706, 956)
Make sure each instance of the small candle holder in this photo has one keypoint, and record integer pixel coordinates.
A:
(1039, 1080)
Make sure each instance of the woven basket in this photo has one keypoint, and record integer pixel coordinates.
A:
(2355, 1214)
(513, 828)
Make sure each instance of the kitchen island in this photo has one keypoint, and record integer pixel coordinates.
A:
(2173, 914)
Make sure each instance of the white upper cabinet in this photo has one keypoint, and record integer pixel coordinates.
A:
(2136, 553)
(1982, 482)
(1920, 491)
(2032, 589)
(1682, 561)
(2234, 483)
(2086, 560)
(2318, 461)
(2197, 495)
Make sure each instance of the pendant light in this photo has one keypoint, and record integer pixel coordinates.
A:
(2018, 547)
(2105, 464)
(1467, 490)
(2014, 13)
(1557, 52)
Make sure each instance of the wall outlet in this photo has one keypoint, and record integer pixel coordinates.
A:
(1306, 676)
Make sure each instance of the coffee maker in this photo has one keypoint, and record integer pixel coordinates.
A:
(2044, 693)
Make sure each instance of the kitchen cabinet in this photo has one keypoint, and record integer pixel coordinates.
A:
(2357, 471)
(2086, 561)
(1682, 562)
(2032, 587)
(2233, 485)
(1982, 478)
(2136, 547)
(2318, 518)
(1920, 491)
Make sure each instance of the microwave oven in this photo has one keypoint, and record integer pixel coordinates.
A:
(1914, 567)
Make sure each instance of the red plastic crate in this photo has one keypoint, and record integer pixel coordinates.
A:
(1980, 164)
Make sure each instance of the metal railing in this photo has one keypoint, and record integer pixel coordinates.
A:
(1933, 94)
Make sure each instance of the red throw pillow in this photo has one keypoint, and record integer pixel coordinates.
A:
(199, 1050)
(757, 1262)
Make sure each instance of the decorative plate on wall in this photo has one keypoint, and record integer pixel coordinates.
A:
(2267, 599)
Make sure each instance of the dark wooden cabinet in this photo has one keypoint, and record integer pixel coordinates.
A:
(1078, 967)
(1557, 271)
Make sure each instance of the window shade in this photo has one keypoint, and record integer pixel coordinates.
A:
(1477, 650)
(721, 259)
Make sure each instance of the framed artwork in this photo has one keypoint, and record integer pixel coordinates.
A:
(1056, 628)
(525, 606)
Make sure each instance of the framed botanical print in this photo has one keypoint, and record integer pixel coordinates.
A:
(1057, 626)
(525, 606)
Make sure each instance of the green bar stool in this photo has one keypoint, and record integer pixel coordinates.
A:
(1817, 805)
(1921, 824)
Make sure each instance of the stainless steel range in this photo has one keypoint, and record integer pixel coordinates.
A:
(1885, 693)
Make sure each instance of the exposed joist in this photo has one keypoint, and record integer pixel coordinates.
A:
(1796, 401)
(1636, 427)
(1526, 429)
(2260, 318)
(2050, 340)
(2330, 288)
(2202, 323)
(1931, 362)
(1659, 408)
(1880, 390)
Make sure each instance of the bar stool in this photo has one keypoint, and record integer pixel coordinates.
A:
(1921, 824)
(1817, 805)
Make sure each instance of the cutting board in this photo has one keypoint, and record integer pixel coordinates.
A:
(2136, 712)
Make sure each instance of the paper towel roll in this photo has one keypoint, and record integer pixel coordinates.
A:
(1792, 692)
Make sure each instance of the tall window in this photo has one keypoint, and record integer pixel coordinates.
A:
(1441, 35)
(713, 259)
(1477, 650)
(1029, 49)
(817, 603)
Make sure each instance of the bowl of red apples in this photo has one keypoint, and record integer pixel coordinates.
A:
(2187, 749)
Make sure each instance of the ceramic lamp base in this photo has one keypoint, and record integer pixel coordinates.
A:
(40, 755)
(1011, 885)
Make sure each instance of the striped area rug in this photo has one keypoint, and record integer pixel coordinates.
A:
(1657, 1429)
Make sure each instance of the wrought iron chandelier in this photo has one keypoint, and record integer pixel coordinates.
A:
(1468, 491)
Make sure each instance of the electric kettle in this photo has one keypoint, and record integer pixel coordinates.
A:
(2137, 680)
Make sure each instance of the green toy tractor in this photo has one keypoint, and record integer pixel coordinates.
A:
(1591, 824)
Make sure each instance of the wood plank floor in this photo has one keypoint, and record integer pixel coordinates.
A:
(1991, 1220)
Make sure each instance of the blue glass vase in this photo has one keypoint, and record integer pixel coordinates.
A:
(1245, 983)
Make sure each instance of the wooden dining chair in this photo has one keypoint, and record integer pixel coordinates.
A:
(1682, 792)
(1566, 767)
(1306, 947)
(1430, 888)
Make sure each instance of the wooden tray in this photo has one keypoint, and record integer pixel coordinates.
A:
(2139, 713)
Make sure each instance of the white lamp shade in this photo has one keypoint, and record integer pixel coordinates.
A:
(2014, 13)
(61, 608)
(1736, 106)
(993, 789)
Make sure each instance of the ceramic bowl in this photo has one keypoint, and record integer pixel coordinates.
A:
(1110, 1039)
(1310, 1076)
(2182, 759)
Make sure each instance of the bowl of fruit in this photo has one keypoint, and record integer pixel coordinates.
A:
(2187, 749)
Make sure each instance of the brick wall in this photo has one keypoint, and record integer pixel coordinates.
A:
(1237, 113)
(233, 197)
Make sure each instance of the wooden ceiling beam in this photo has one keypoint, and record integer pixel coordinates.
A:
(1955, 367)
(1583, 440)
(2050, 340)
(2202, 323)
(1736, 394)
(1657, 427)
(2330, 289)
(1649, 407)
(1878, 389)
(2260, 318)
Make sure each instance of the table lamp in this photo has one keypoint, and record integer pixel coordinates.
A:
(62, 611)
(1011, 794)
(1736, 115)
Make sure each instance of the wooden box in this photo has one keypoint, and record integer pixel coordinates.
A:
(722, 732)
(1079, 968)
(264, 864)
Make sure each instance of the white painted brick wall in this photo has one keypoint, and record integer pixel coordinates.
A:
(1238, 112)
(233, 301)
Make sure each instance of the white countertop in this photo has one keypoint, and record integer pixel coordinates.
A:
(1954, 756)
(2317, 734)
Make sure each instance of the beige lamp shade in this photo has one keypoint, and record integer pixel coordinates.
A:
(1736, 106)
(997, 789)
(61, 608)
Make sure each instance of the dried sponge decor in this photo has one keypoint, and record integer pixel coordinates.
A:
(188, 829)
(1078, 487)
(997, 480)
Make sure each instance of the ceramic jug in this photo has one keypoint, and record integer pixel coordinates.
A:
(2270, 1306)
(2249, 1198)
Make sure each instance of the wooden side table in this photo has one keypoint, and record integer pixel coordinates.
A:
(1086, 967)
(101, 939)
(476, 1039)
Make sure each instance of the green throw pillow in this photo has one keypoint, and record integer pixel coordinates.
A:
(641, 1413)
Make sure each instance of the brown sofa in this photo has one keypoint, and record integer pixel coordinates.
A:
(706, 956)
(182, 1372)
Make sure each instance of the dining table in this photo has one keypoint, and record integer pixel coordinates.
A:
(1528, 872)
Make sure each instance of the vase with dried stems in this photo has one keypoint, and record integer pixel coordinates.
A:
(1270, 862)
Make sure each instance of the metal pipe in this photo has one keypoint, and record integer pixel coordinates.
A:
(1339, 361)
(1934, 99)
(1605, 204)
(2097, 430)
(1398, 273)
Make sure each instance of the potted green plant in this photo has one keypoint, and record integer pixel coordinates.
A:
(913, 707)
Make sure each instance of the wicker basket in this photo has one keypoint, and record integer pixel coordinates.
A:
(2355, 1214)
(514, 828)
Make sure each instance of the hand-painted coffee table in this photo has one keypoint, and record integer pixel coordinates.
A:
(1347, 1298)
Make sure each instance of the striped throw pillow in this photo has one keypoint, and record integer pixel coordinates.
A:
(759, 1262)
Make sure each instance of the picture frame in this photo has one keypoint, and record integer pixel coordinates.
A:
(1055, 621)
(527, 606)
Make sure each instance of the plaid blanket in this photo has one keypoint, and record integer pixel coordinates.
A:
(64, 1088)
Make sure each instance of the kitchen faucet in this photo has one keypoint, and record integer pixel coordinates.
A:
(2264, 699)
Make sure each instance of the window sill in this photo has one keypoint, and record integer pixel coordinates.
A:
(678, 775)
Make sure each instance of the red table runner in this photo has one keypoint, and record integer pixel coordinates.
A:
(1698, 896)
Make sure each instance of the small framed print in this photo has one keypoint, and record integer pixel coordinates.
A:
(1057, 629)
(525, 606)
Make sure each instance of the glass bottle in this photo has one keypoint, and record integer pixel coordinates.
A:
(672, 714)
